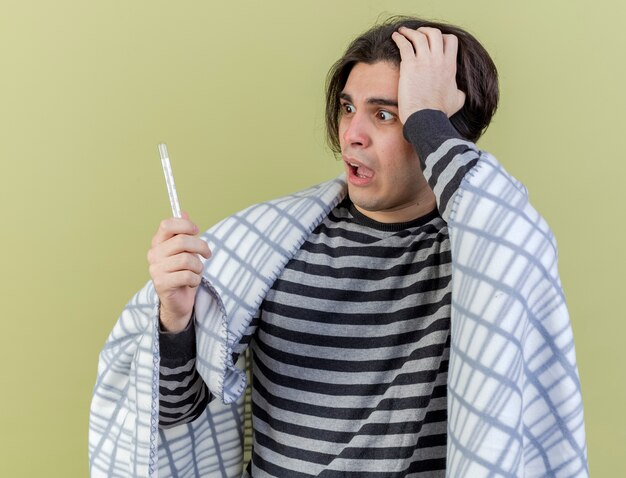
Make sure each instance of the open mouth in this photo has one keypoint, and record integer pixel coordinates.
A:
(359, 170)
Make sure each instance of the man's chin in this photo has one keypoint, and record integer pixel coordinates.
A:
(363, 200)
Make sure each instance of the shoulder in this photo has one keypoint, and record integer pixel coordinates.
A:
(316, 199)
(492, 211)
(296, 210)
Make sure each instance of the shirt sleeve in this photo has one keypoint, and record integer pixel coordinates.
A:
(445, 156)
(183, 395)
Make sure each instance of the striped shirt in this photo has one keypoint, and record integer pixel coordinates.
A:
(349, 351)
(350, 357)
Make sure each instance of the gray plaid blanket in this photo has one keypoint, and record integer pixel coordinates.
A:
(514, 403)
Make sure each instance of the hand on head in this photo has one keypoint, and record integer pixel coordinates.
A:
(427, 71)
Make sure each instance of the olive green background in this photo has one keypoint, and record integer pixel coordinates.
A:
(88, 89)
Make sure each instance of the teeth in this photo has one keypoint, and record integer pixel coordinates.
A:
(360, 171)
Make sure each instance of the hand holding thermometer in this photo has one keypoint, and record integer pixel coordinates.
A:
(171, 186)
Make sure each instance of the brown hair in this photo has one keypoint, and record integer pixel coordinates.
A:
(476, 75)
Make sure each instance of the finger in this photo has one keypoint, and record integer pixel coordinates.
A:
(176, 280)
(435, 40)
(178, 244)
(172, 226)
(185, 278)
(450, 47)
(417, 39)
(182, 262)
(184, 243)
(404, 46)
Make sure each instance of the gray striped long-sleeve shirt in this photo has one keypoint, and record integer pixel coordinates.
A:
(350, 347)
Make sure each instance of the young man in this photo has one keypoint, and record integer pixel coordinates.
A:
(406, 320)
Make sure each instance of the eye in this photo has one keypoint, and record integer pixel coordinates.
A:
(384, 115)
(347, 108)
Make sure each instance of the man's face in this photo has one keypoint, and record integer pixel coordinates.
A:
(385, 181)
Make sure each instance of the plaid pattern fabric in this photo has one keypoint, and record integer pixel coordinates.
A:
(514, 404)
(250, 249)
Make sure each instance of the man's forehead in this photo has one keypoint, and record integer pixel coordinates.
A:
(372, 83)
(373, 100)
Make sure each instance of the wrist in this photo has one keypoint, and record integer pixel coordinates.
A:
(418, 107)
(173, 323)
(426, 130)
(177, 349)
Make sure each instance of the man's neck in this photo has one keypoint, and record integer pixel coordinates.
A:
(403, 213)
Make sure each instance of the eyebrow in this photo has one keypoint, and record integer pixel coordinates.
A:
(371, 101)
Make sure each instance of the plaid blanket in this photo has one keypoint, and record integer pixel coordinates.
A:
(514, 402)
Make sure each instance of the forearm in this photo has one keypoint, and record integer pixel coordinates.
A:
(445, 157)
(183, 395)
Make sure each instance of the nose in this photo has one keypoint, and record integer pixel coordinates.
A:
(356, 133)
